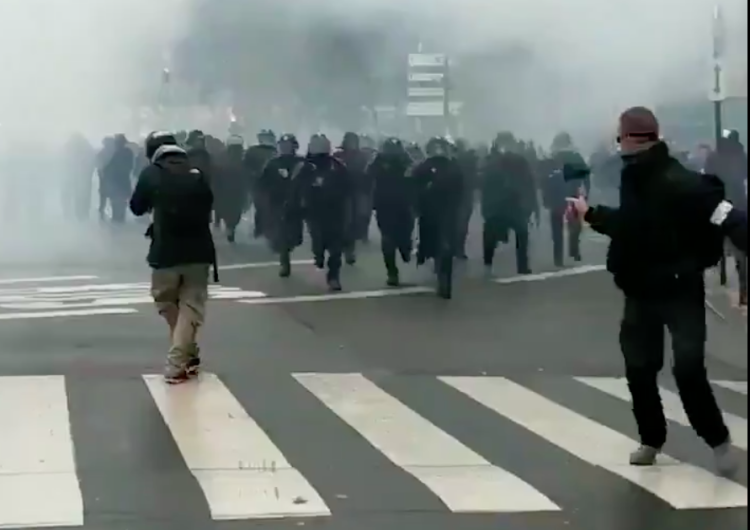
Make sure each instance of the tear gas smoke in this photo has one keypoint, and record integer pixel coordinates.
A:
(531, 66)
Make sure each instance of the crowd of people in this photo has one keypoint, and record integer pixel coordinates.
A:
(667, 216)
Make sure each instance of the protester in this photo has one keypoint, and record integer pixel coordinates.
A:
(670, 227)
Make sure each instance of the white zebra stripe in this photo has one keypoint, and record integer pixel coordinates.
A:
(618, 387)
(38, 481)
(735, 386)
(682, 485)
(242, 473)
(461, 478)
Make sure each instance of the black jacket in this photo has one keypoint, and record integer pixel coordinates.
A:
(666, 231)
(167, 185)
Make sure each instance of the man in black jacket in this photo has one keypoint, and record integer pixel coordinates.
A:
(669, 228)
(182, 248)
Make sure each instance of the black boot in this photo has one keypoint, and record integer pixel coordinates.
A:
(285, 265)
(334, 284)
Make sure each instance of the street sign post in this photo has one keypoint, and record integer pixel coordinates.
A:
(717, 96)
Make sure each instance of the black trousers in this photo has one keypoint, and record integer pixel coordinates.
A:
(642, 343)
(494, 231)
(327, 239)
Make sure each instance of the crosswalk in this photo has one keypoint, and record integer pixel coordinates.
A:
(68, 445)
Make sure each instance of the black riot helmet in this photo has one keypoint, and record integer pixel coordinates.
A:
(732, 135)
(288, 144)
(319, 144)
(267, 137)
(196, 139)
(157, 139)
(392, 146)
(350, 141)
(438, 146)
(235, 146)
(562, 142)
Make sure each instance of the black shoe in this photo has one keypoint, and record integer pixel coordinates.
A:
(285, 270)
(351, 258)
(444, 289)
(334, 285)
(320, 262)
(393, 280)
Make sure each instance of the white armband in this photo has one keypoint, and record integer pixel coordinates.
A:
(721, 213)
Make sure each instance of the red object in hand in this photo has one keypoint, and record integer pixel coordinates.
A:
(570, 213)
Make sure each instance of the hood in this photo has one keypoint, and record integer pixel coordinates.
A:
(165, 150)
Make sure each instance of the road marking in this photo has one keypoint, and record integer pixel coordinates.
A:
(48, 279)
(96, 296)
(461, 478)
(38, 481)
(618, 387)
(261, 264)
(29, 315)
(242, 473)
(682, 485)
(573, 271)
(735, 386)
(353, 295)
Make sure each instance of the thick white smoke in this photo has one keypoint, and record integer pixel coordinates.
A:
(66, 67)
(531, 66)
(536, 66)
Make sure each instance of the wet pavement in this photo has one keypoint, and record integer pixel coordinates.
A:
(373, 409)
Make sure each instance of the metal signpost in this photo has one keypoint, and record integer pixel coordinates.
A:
(717, 96)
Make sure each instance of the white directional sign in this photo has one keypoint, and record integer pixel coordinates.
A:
(425, 77)
(425, 108)
(427, 92)
(426, 60)
(718, 84)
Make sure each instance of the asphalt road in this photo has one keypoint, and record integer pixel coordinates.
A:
(374, 409)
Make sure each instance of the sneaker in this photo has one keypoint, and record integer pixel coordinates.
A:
(175, 374)
(644, 456)
(725, 459)
(393, 280)
(193, 365)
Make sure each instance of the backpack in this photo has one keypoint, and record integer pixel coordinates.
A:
(184, 202)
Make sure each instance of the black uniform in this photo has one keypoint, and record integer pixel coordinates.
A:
(663, 236)
(255, 160)
(393, 201)
(279, 184)
(326, 194)
(509, 199)
(115, 172)
(355, 160)
(230, 189)
(439, 186)
(469, 162)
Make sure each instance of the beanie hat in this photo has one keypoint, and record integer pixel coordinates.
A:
(639, 123)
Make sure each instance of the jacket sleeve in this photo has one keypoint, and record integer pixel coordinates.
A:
(603, 219)
(141, 202)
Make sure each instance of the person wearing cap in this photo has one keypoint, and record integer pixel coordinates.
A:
(670, 227)
(181, 249)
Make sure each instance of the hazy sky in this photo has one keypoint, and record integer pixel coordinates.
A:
(74, 64)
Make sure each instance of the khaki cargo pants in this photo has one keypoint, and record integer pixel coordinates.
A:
(180, 294)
